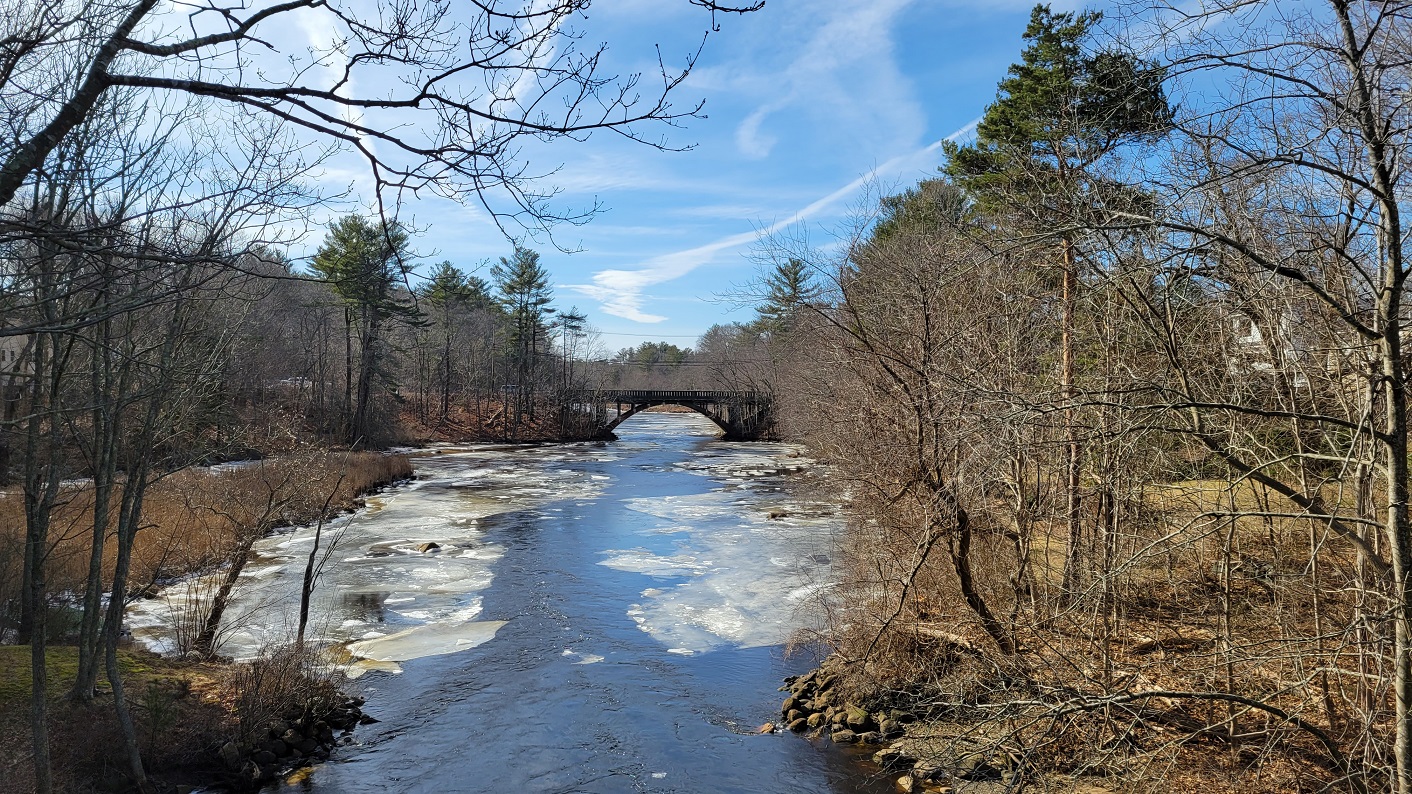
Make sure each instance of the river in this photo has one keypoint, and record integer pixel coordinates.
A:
(592, 618)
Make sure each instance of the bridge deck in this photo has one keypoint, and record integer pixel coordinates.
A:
(650, 395)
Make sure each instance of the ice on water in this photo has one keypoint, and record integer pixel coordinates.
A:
(431, 639)
(735, 577)
(406, 571)
(405, 577)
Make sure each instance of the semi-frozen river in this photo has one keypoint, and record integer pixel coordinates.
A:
(592, 618)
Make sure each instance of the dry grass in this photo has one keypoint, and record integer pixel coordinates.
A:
(184, 712)
(193, 519)
(177, 707)
(1197, 601)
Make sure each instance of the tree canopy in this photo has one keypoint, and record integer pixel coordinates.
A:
(789, 288)
(1059, 111)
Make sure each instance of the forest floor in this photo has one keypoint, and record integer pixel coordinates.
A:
(469, 423)
(178, 708)
(1210, 673)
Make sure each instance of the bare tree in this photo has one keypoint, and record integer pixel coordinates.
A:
(436, 96)
(1287, 190)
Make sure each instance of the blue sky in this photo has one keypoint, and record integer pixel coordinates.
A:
(806, 100)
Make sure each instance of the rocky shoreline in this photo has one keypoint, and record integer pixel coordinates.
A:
(300, 737)
(818, 706)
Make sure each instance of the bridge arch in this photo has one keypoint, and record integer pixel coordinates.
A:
(640, 407)
(742, 415)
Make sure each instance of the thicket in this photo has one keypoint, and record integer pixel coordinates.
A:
(197, 520)
(1120, 403)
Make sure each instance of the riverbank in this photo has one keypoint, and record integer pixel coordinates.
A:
(820, 705)
(193, 520)
(997, 732)
(200, 718)
(199, 723)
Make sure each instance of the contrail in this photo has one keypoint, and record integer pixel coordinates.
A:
(619, 292)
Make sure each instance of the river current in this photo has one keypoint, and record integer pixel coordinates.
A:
(565, 618)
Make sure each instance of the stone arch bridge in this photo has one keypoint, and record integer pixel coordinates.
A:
(743, 415)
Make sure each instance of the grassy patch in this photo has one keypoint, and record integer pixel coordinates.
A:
(176, 706)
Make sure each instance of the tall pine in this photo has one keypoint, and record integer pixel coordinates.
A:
(1057, 115)
(525, 294)
(364, 261)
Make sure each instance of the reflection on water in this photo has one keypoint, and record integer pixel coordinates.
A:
(577, 617)
(364, 607)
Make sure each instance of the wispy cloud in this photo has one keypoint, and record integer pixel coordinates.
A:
(845, 74)
(720, 211)
(620, 292)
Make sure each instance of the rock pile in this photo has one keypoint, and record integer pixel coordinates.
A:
(818, 707)
(814, 704)
(301, 736)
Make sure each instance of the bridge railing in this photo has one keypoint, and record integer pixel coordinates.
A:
(651, 395)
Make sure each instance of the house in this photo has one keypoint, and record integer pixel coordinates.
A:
(16, 372)
(1252, 353)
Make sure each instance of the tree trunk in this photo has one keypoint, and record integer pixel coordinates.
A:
(1073, 563)
(36, 542)
(206, 641)
(1381, 163)
(367, 369)
(311, 567)
(1399, 533)
(961, 561)
(42, 477)
(129, 517)
(306, 588)
(348, 370)
(446, 370)
(104, 457)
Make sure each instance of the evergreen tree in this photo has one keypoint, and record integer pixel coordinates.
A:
(525, 294)
(932, 204)
(449, 292)
(1061, 111)
(572, 326)
(789, 288)
(364, 261)
(447, 284)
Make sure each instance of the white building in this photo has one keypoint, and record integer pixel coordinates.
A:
(16, 371)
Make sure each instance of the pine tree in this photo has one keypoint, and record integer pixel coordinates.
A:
(524, 292)
(364, 261)
(448, 292)
(789, 289)
(1059, 113)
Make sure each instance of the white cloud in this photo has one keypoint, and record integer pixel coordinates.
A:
(620, 291)
(748, 137)
(732, 212)
(844, 74)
